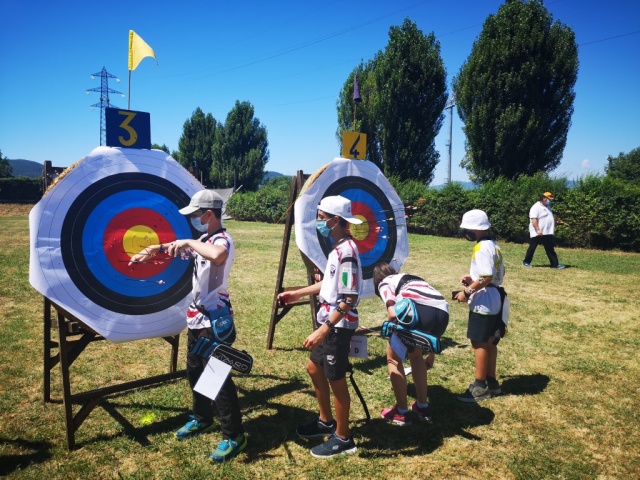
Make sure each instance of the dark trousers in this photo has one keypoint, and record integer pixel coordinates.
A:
(227, 401)
(547, 242)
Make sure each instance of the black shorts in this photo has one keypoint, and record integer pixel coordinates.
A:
(432, 320)
(482, 328)
(333, 353)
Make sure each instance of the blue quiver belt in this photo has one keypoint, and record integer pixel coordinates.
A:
(412, 338)
(222, 332)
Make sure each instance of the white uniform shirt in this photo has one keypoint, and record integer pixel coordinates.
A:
(546, 222)
(342, 276)
(417, 290)
(486, 260)
(210, 282)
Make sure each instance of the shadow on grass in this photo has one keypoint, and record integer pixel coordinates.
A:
(524, 384)
(451, 418)
(253, 400)
(36, 452)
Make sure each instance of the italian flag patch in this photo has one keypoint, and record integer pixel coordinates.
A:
(349, 278)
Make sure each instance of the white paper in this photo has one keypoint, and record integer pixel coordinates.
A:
(358, 346)
(212, 378)
(398, 347)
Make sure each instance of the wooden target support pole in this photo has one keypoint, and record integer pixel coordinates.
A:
(73, 337)
(279, 311)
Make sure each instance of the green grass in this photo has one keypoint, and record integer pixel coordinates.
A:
(569, 367)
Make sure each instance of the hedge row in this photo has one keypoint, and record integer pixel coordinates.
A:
(598, 212)
(20, 189)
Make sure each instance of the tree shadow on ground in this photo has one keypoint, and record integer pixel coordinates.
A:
(30, 453)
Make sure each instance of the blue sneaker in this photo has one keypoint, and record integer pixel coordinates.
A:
(192, 427)
(228, 449)
(526, 264)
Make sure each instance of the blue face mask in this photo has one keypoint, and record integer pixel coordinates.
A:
(198, 225)
(321, 226)
(549, 203)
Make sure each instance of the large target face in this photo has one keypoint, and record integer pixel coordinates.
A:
(382, 235)
(110, 206)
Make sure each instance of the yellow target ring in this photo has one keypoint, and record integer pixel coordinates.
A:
(138, 237)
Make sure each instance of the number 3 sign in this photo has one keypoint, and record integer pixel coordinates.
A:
(127, 128)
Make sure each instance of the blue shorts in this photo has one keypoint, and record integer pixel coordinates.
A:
(333, 354)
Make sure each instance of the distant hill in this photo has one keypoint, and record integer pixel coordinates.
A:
(269, 175)
(26, 168)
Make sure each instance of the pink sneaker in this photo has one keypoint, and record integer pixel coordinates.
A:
(424, 414)
(392, 415)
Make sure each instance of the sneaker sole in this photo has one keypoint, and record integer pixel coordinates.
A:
(495, 393)
(343, 452)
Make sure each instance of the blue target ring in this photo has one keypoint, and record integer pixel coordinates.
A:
(83, 251)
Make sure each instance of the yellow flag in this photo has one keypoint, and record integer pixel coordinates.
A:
(138, 49)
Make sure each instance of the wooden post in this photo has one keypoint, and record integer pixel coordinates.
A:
(279, 311)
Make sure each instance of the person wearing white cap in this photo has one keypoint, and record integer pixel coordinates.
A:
(213, 253)
(541, 230)
(339, 294)
(485, 326)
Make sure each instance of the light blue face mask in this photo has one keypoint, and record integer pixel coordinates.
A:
(548, 203)
(198, 225)
(321, 226)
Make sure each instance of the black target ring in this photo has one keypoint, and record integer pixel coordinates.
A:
(73, 250)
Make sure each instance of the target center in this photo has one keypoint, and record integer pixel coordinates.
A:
(360, 232)
(138, 237)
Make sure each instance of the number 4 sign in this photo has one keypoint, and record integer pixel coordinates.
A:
(354, 145)
(127, 128)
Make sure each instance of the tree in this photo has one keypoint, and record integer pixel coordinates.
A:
(404, 93)
(5, 167)
(162, 147)
(515, 92)
(240, 150)
(626, 166)
(196, 144)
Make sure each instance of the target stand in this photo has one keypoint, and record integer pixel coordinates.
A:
(73, 336)
(279, 311)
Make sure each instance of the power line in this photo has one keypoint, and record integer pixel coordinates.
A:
(610, 38)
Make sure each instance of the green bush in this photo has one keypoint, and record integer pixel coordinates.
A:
(20, 189)
(601, 212)
(267, 204)
(598, 212)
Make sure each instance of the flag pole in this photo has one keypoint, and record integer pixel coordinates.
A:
(129, 94)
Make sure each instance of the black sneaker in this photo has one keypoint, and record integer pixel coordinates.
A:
(316, 428)
(494, 387)
(474, 394)
(334, 446)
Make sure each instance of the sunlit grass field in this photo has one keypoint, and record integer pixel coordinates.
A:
(569, 366)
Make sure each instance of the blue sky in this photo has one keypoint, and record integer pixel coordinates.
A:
(289, 59)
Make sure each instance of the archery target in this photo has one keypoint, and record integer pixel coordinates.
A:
(107, 208)
(382, 235)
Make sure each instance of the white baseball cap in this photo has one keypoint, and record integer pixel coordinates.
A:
(475, 220)
(207, 199)
(340, 206)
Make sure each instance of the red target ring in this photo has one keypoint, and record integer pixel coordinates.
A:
(129, 232)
